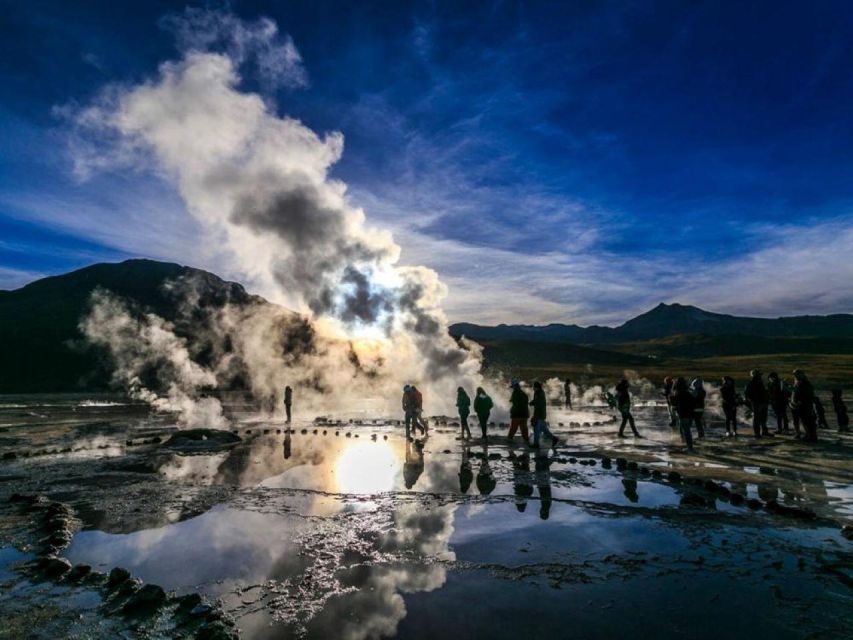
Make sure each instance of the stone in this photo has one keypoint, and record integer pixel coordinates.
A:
(674, 476)
(847, 531)
(117, 576)
(189, 602)
(736, 499)
(752, 503)
(79, 571)
(633, 465)
(656, 474)
(54, 567)
(216, 630)
(151, 596)
(10, 455)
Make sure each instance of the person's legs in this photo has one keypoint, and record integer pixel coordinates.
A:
(795, 415)
(764, 411)
(524, 432)
(463, 422)
(810, 426)
(625, 415)
(484, 422)
(727, 411)
(537, 430)
(408, 423)
(699, 419)
(686, 434)
(513, 427)
(756, 421)
(287, 410)
(543, 426)
(633, 426)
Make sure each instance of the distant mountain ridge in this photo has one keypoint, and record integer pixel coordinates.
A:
(666, 321)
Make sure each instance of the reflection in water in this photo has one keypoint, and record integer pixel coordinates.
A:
(486, 482)
(466, 476)
(521, 486)
(414, 465)
(543, 484)
(367, 468)
(630, 489)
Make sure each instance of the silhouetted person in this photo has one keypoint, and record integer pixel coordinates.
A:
(543, 484)
(418, 399)
(540, 416)
(697, 388)
(802, 401)
(778, 396)
(408, 408)
(630, 489)
(483, 407)
(728, 394)
(287, 444)
(521, 486)
(567, 387)
(820, 413)
(463, 404)
(623, 403)
(795, 415)
(757, 399)
(684, 407)
(288, 401)
(414, 465)
(519, 412)
(466, 476)
(486, 482)
(840, 411)
(668, 384)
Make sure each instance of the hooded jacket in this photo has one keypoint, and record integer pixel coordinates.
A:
(518, 404)
(483, 404)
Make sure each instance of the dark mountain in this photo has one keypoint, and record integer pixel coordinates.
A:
(41, 346)
(668, 320)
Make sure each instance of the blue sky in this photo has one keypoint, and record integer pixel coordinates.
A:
(554, 162)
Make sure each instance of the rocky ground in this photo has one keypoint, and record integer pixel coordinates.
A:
(114, 524)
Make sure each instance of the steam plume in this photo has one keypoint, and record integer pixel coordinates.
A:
(258, 182)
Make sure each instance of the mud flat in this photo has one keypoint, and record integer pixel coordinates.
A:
(113, 526)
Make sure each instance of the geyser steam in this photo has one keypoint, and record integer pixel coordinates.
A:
(258, 182)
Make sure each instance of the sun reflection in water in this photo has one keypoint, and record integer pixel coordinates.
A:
(367, 467)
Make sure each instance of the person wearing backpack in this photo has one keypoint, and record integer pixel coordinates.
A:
(483, 407)
(540, 414)
(463, 404)
(519, 412)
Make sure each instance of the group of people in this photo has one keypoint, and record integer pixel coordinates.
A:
(686, 404)
(519, 413)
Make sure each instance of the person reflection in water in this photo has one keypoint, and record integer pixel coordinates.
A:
(521, 486)
(288, 401)
(486, 482)
(630, 489)
(414, 465)
(466, 476)
(287, 445)
(463, 405)
(543, 484)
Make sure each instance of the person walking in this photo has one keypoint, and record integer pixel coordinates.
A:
(519, 412)
(540, 415)
(668, 383)
(802, 401)
(757, 399)
(418, 399)
(288, 401)
(483, 407)
(778, 397)
(728, 393)
(623, 403)
(840, 411)
(463, 405)
(697, 388)
(820, 413)
(567, 387)
(684, 404)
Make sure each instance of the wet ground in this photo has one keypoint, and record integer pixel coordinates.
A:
(348, 530)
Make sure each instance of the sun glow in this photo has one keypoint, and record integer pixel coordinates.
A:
(367, 467)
